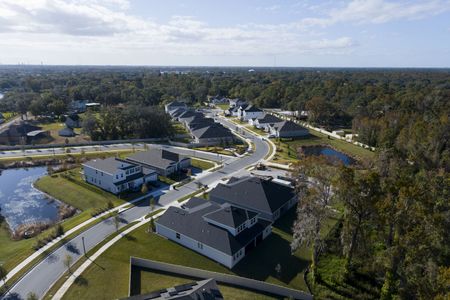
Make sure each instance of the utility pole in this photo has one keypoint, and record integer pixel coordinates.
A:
(84, 247)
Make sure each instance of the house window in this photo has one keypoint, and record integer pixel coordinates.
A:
(178, 235)
(100, 182)
(102, 173)
(200, 245)
(117, 176)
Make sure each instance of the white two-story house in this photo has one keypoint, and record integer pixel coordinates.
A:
(250, 112)
(115, 175)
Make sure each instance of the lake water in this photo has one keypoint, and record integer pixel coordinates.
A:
(328, 152)
(20, 203)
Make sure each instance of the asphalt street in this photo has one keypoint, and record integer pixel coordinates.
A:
(39, 279)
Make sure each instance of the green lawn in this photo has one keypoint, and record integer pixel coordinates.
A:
(218, 150)
(201, 164)
(78, 194)
(113, 265)
(223, 106)
(179, 128)
(9, 115)
(286, 155)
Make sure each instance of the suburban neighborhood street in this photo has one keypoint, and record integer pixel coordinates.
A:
(39, 279)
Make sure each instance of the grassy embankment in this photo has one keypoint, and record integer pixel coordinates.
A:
(287, 148)
(113, 265)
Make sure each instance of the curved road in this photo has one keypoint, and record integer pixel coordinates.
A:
(39, 279)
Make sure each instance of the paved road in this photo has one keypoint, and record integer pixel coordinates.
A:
(103, 148)
(42, 276)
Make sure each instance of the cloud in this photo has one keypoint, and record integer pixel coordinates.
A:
(379, 11)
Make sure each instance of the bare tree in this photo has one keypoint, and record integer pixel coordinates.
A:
(314, 177)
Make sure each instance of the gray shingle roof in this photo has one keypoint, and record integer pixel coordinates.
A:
(192, 224)
(252, 108)
(107, 165)
(287, 126)
(212, 131)
(156, 158)
(231, 216)
(262, 195)
(267, 119)
(66, 132)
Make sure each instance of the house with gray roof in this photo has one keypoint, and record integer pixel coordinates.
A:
(66, 132)
(174, 105)
(177, 112)
(117, 175)
(264, 122)
(18, 133)
(162, 161)
(73, 121)
(213, 134)
(287, 129)
(249, 112)
(268, 198)
(201, 290)
(223, 232)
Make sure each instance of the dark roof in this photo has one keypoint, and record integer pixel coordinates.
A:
(231, 216)
(252, 108)
(212, 131)
(269, 119)
(109, 165)
(176, 103)
(198, 117)
(19, 130)
(66, 132)
(187, 114)
(74, 117)
(202, 290)
(190, 222)
(286, 126)
(262, 195)
(158, 158)
(177, 112)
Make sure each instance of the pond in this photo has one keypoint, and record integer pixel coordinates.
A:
(329, 153)
(20, 203)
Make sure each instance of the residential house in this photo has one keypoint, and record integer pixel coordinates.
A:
(163, 161)
(225, 233)
(236, 102)
(117, 175)
(249, 112)
(73, 121)
(66, 132)
(287, 129)
(174, 105)
(234, 111)
(201, 290)
(213, 134)
(176, 112)
(17, 133)
(188, 114)
(77, 106)
(265, 122)
(264, 196)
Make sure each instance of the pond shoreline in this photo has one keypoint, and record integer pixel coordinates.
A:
(355, 161)
(31, 228)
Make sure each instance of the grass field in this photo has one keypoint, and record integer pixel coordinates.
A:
(218, 150)
(9, 115)
(55, 127)
(201, 164)
(179, 128)
(223, 106)
(287, 148)
(113, 265)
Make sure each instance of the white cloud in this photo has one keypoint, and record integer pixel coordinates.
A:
(379, 11)
(107, 28)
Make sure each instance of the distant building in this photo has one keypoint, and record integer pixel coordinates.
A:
(222, 232)
(264, 196)
(174, 105)
(287, 129)
(249, 112)
(18, 133)
(73, 121)
(116, 175)
(200, 290)
(66, 132)
(236, 102)
(264, 122)
(162, 161)
(213, 134)
(77, 106)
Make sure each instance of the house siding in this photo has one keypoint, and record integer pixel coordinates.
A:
(220, 257)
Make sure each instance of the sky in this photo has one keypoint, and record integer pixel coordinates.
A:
(353, 33)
